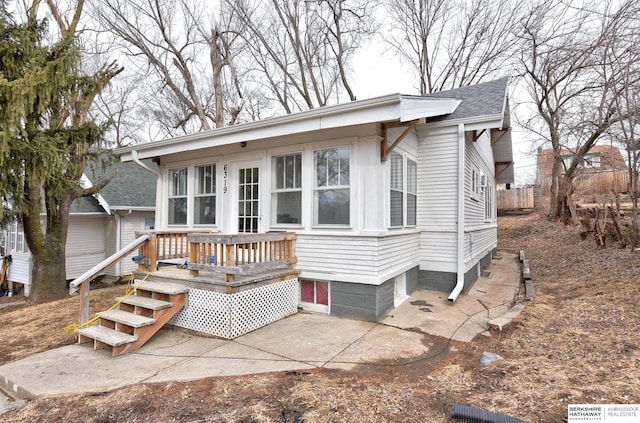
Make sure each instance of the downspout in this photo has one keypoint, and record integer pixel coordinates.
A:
(118, 269)
(460, 232)
(134, 156)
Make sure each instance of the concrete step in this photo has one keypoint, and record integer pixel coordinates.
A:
(107, 336)
(129, 319)
(145, 302)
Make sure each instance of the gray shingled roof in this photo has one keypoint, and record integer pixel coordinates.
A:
(84, 205)
(483, 99)
(133, 186)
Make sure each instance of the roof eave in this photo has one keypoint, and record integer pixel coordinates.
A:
(392, 107)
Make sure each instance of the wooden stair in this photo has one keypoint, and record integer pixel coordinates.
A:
(137, 319)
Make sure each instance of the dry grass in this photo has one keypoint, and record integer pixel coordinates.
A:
(577, 342)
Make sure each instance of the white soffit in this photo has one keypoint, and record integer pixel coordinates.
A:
(381, 109)
(412, 108)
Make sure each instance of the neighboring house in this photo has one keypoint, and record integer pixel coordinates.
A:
(386, 195)
(99, 225)
(602, 169)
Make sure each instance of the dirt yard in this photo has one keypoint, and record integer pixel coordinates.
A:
(577, 342)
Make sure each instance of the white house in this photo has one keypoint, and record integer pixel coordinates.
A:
(386, 195)
(99, 225)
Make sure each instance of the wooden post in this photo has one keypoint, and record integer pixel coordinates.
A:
(193, 258)
(152, 251)
(84, 305)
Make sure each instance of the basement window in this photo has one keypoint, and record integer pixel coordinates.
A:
(314, 295)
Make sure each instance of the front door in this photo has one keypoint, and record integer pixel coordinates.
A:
(248, 197)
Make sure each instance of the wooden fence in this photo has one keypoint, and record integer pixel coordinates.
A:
(515, 199)
(603, 182)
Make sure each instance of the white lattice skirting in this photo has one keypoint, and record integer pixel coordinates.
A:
(231, 315)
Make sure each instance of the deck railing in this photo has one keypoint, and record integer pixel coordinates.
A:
(230, 255)
(243, 253)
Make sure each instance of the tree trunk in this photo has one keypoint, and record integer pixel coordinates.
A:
(561, 206)
(48, 277)
(47, 245)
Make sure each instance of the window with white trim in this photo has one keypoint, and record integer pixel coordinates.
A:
(396, 186)
(286, 193)
(403, 191)
(314, 294)
(178, 196)
(489, 201)
(204, 201)
(412, 193)
(14, 241)
(332, 191)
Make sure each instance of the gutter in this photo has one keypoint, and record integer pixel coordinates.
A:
(134, 156)
(460, 232)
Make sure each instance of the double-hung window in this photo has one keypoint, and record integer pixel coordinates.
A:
(287, 189)
(489, 201)
(204, 204)
(412, 192)
(331, 197)
(397, 190)
(403, 191)
(178, 196)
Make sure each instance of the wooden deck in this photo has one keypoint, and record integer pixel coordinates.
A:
(217, 262)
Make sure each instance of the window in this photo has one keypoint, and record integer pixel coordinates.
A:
(315, 295)
(19, 238)
(149, 223)
(478, 183)
(14, 239)
(204, 204)
(178, 196)
(412, 192)
(489, 199)
(397, 192)
(592, 161)
(332, 190)
(287, 189)
(403, 193)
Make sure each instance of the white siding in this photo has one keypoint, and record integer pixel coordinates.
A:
(478, 244)
(437, 176)
(129, 225)
(370, 260)
(480, 234)
(437, 197)
(438, 250)
(20, 268)
(85, 244)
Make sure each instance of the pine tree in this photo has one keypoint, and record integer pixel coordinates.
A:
(46, 136)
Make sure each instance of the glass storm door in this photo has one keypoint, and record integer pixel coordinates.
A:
(248, 199)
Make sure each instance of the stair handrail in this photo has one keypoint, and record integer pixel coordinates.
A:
(83, 280)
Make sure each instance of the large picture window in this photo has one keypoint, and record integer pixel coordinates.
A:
(332, 189)
(204, 205)
(178, 196)
(287, 189)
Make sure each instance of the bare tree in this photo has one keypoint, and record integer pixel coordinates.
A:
(571, 81)
(170, 37)
(624, 58)
(301, 50)
(452, 44)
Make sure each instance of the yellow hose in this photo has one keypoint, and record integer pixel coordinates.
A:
(131, 290)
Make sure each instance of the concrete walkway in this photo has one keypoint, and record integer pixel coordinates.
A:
(300, 342)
